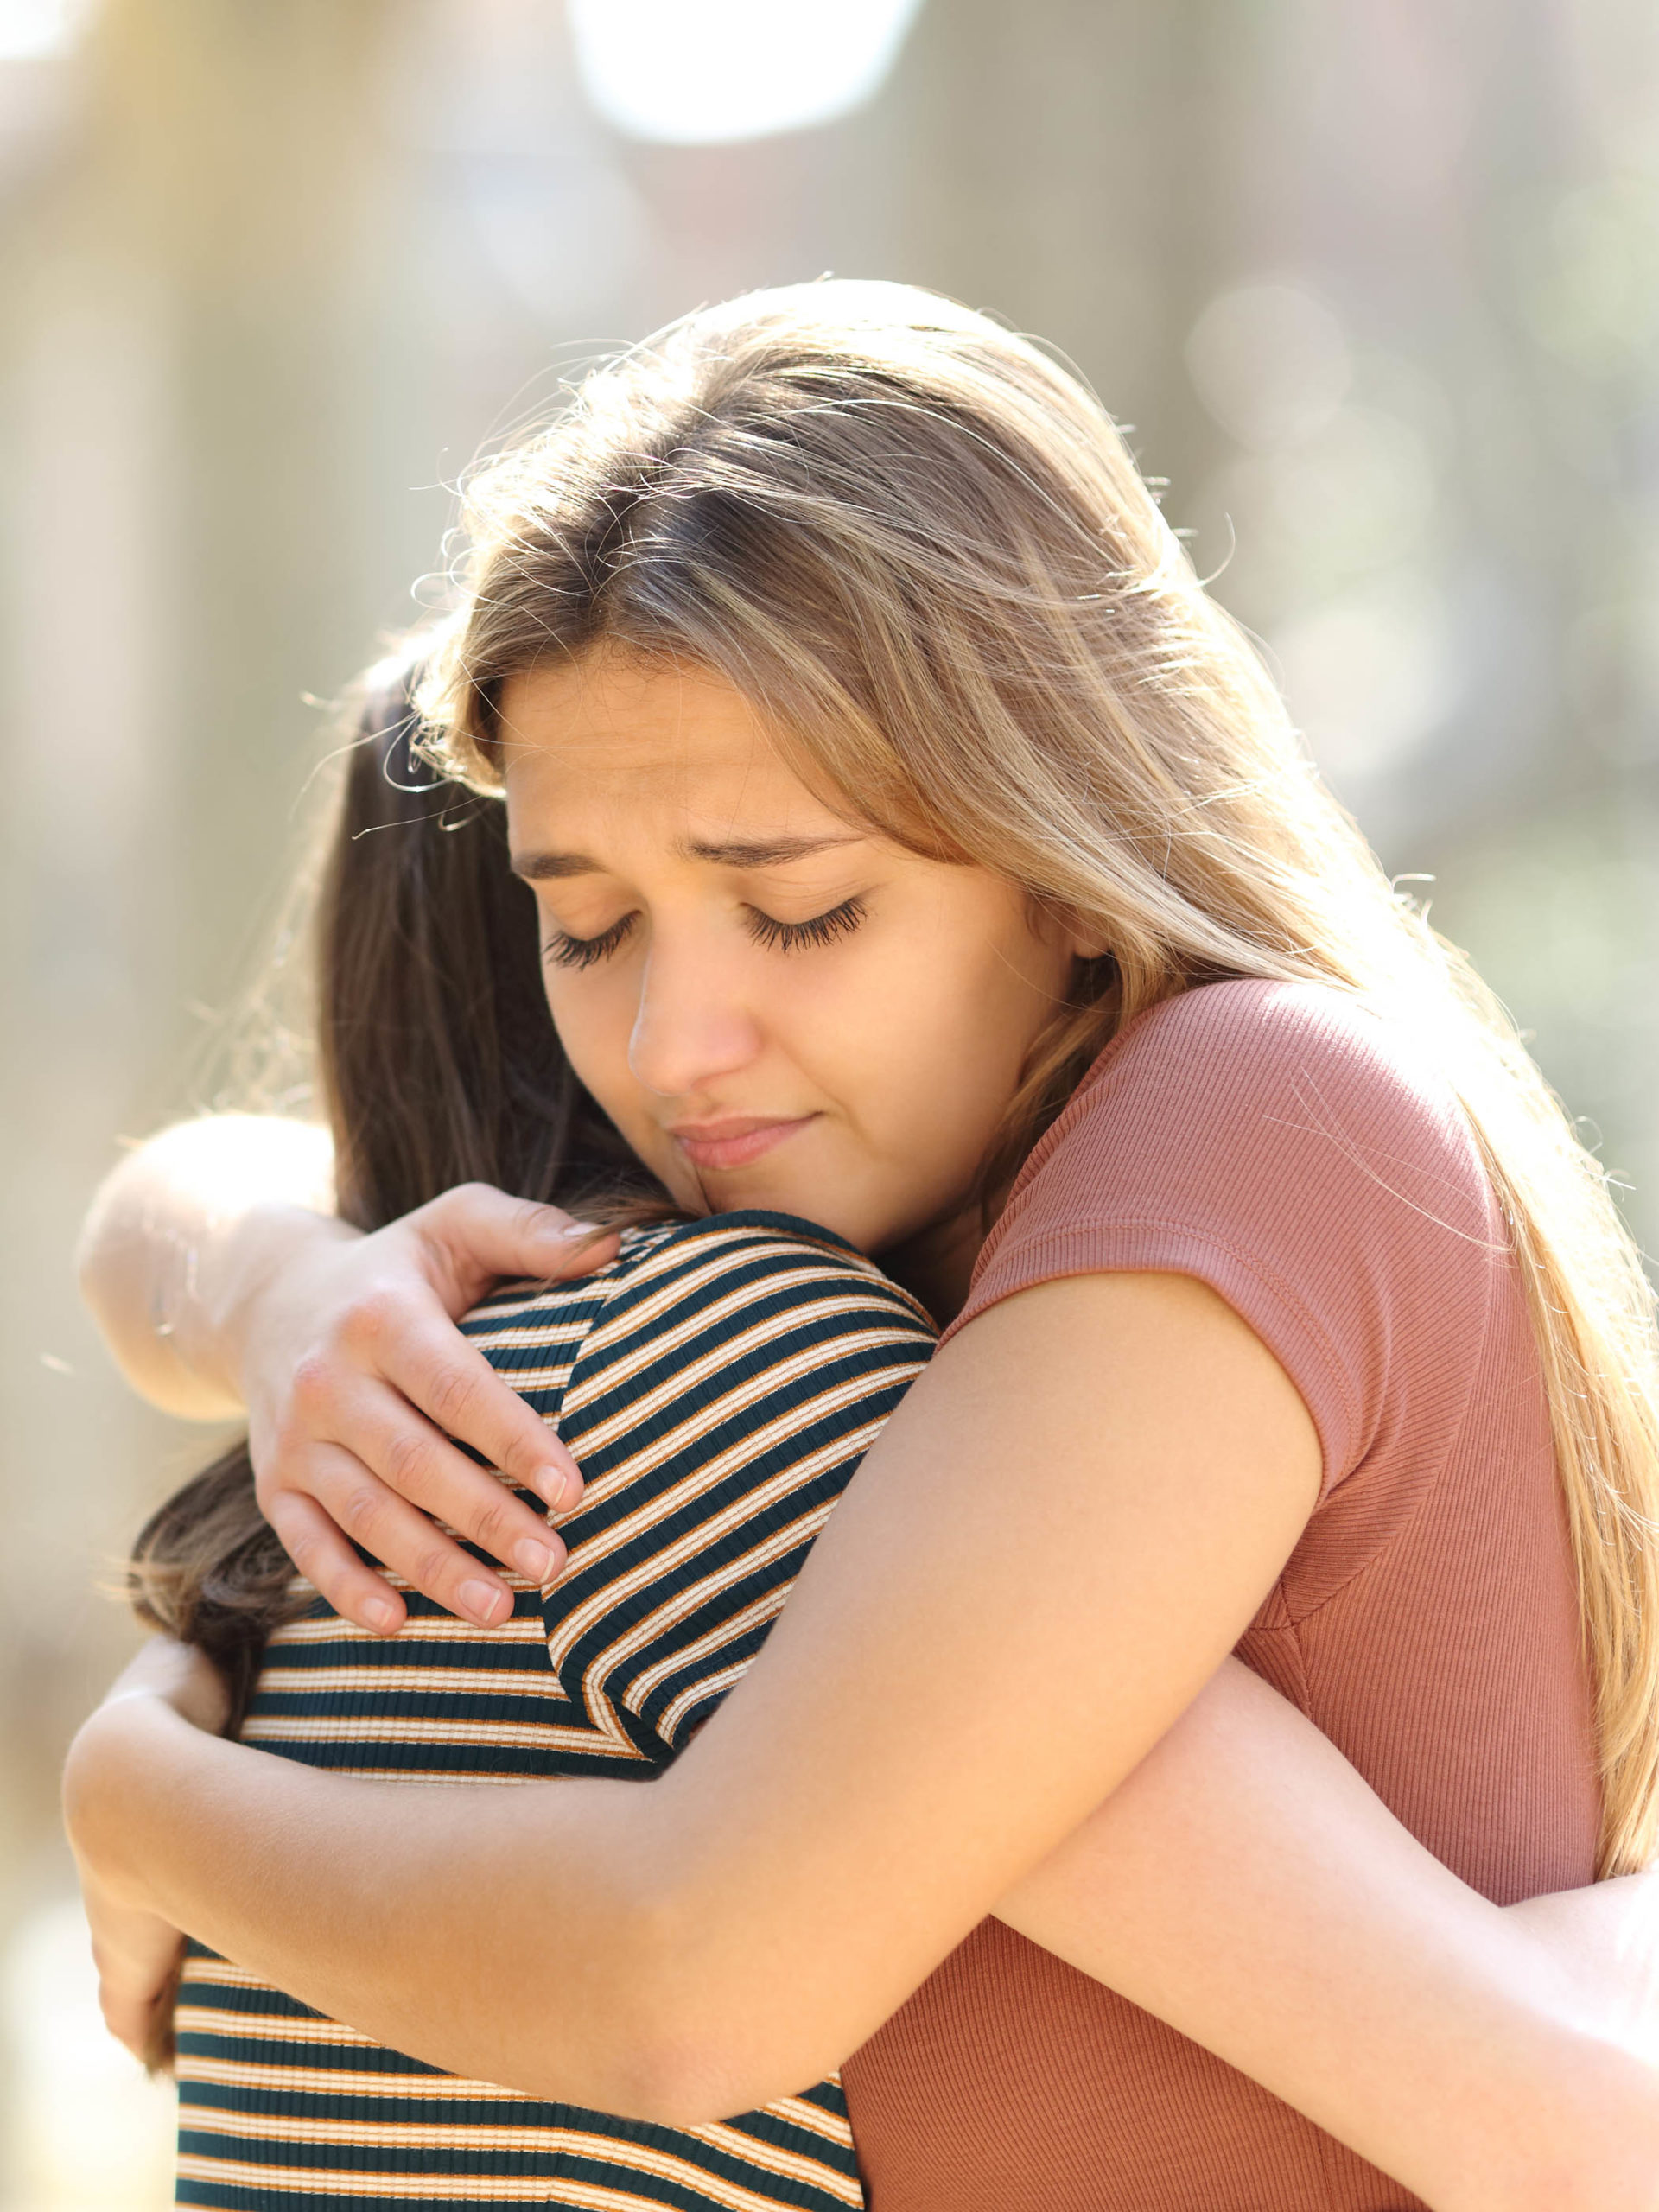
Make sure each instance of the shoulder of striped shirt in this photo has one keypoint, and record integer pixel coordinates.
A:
(696, 1252)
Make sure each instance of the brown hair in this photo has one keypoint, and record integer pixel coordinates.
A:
(923, 551)
(438, 1064)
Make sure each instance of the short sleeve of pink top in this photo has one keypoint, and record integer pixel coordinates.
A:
(1294, 1153)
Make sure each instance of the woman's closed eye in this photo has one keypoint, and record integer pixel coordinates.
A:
(795, 937)
(565, 951)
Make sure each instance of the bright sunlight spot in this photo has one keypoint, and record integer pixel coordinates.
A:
(36, 30)
(704, 71)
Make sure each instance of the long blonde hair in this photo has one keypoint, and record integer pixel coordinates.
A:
(923, 551)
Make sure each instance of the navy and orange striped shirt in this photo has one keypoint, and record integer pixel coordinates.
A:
(719, 1383)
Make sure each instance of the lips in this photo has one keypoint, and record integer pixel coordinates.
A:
(733, 1142)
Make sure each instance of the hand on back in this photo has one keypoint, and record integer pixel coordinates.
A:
(356, 1379)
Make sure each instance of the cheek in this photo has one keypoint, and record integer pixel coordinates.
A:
(594, 1024)
(923, 1048)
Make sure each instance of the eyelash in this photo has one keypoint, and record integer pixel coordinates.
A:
(567, 951)
(795, 937)
(578, 952)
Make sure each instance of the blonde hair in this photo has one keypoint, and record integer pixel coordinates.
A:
(923, 551)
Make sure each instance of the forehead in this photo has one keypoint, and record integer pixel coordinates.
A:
(609, 731)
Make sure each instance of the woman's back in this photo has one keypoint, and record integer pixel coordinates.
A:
(719, 1383)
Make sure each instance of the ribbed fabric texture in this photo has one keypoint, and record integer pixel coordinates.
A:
(1294, 1153)
(719, 1384)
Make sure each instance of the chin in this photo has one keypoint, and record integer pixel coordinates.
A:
(737, 1191)
(737, 1194)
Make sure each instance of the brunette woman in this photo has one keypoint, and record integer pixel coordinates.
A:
(844, 682)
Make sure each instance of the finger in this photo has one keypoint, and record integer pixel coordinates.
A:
(477, 1234)
(142, 2024)
(161, 2049)
(456, 1388)
(394, 1333)
(133, 2005)
(127, 2017)
(327, 1561)
(416, 1459)
(371, 1514)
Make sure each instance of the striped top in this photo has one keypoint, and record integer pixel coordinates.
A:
(719, 1383)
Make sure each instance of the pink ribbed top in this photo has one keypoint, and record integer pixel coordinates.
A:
(1300, 1156)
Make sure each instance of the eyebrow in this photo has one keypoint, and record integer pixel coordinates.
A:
(765, 852)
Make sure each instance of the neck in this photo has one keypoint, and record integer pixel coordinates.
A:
(937, 1264)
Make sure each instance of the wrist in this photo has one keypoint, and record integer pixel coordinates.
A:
(254, 1268)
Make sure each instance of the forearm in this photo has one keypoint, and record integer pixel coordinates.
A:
(869, 1792)
(1246, 1886)
(853, 1809)
(504, 1934)
(1243, 1885)
(180, 1233)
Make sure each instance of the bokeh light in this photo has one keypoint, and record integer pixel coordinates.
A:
(696, 72)
(39, 30)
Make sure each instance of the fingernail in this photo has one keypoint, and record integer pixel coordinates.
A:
(577, 1229)
(536, 1562)
(484, 1602)
(383, 1615)
(556, 1486)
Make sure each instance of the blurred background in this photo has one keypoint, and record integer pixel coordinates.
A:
(1376, 284)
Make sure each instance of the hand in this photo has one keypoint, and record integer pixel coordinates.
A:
(355, 1378)
(137, 1956)
(137, 1953)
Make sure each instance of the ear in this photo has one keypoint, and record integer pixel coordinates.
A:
(1084, 939)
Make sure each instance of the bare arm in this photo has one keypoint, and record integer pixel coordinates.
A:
(864, 1795)
(181, 1234)
(1610, 1937)
(665, 1952)
(324, 1857)
(223, 1282)
(1246, 1886)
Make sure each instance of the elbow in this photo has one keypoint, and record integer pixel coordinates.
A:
(95, 1264)
(684, 2034)
(688, 2062)
(677, 2079)
(669, 2070)
(110, 1260)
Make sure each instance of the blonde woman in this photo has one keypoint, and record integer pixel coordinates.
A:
(917, 850)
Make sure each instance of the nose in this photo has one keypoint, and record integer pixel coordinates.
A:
(692, 1025)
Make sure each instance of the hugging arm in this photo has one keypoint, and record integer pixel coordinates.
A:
(1246, 1886)
(224, 1282)
(872, 1789)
